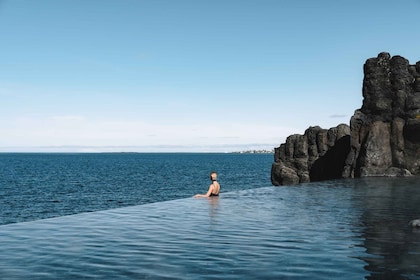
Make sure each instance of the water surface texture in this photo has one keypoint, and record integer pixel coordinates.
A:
(344, 229)
(36, 186)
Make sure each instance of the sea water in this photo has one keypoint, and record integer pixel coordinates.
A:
(342, 229)
(37, 186)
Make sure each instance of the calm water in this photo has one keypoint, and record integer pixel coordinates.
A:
(346, 229)
(35, 186)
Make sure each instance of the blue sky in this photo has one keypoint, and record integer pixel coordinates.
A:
(177, 75)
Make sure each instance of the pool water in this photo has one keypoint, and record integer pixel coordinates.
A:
(344, 229)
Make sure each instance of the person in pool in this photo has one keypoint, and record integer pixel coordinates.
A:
(214, 188)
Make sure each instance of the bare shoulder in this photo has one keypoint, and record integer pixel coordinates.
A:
(216, 187)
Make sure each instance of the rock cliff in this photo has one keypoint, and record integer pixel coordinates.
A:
(383, 138)
(319, 154)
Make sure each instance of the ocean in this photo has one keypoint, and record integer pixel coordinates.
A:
(37, 186)
(132, 216)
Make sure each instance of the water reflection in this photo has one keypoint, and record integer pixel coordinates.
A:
(332, 230)
(213, 209)
(388, 205)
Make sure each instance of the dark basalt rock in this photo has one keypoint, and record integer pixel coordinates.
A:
(319, 154)
(383, 138)
(414, 223)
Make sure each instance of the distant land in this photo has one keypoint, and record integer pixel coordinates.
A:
(241, 149)
(255, 152)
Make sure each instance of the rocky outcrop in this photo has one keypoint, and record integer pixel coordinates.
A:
(414, 223)
(319, 154)
(385, 132)
(383, 138)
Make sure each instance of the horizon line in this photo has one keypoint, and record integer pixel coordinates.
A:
(140, 148)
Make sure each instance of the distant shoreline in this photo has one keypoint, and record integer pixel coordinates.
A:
(127, 153)
(255, 152)
(236, 149)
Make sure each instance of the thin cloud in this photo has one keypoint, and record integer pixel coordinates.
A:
(69, 132)
(337, 116)
(68, 118)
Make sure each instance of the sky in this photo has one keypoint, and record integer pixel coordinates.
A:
(187, 75)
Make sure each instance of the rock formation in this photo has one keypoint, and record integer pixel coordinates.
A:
(414, 223)
(319, 154)
(385, 132)
(383, 138)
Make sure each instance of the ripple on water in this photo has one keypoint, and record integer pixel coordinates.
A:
(310, 232)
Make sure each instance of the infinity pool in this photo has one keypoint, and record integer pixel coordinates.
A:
(348, 229)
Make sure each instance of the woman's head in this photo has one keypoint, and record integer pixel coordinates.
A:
(213, 176)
